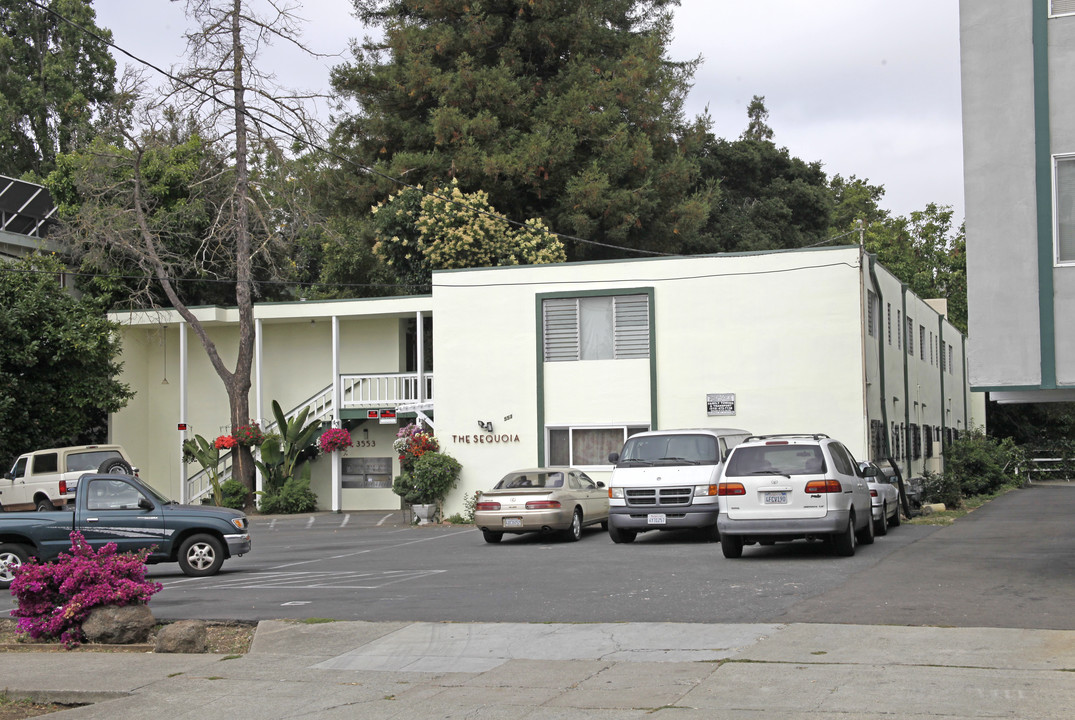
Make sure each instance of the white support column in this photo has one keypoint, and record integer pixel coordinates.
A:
(183, 410)
(420, 361)
(337, 402)
(258, 397)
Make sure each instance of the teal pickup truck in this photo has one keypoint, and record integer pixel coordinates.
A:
(124, 510)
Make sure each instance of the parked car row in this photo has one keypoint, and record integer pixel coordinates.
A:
(738, 488)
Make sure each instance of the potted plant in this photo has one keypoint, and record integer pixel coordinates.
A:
(427, 483)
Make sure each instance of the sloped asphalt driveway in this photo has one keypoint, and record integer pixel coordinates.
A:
(1011, 563)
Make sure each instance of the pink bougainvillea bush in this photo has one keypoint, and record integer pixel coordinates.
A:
(55, 598)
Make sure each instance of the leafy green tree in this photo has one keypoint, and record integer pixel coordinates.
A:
(58, 363)
(53, 77)
(758, 116)
(927, 253)
(565, 110)
(765, 200)
(419, 232)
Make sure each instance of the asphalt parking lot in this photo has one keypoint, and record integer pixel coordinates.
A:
(1008, 564)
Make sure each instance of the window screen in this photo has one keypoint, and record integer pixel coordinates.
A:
(596, 328)
(1065, 209)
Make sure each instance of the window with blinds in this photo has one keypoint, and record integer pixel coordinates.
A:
(612, 327)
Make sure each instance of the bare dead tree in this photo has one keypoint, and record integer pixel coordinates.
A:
(237, 124)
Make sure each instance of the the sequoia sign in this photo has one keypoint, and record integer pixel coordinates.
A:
(485, 439)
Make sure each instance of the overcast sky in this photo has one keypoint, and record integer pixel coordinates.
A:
(868, 87)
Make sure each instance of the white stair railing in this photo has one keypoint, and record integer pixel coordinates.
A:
(358, 391)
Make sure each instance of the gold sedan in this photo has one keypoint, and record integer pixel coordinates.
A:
(545, 500)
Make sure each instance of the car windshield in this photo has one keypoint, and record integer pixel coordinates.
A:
(531, 479)
(670, 450)
(776, 460)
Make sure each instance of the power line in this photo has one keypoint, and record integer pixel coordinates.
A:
(287, 132)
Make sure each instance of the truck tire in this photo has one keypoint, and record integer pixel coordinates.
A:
(621, 536)
(12, 556)
(115, 466)
(43, 504)
(201, 555)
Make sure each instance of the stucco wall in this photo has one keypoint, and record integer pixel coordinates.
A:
(781, 331)
(999, 186)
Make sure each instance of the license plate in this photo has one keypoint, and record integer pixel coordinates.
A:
(776, 498)
(656, 519)
(513, 522)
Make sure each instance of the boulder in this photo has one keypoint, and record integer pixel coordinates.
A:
(119, 625)
(184, 636)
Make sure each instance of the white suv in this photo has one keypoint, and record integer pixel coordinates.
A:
(787, 487)
(45, 479)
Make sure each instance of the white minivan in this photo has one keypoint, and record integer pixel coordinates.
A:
(667, 480)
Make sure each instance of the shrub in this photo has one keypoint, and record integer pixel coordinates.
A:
(233, 494)
(941, 489)
(429, 481)
(55, 598)
(294, 496)
(980, 464)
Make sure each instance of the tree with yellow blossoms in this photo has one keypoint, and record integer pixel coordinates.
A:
(419, 232)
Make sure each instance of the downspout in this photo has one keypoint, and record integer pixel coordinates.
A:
(881, 357)
(906, 387)
(966, 388)
(940, 367)
(904, 500)
(864, 332)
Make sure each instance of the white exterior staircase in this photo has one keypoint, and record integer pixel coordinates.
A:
(406, 392)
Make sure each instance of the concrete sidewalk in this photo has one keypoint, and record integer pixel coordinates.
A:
(574, 671)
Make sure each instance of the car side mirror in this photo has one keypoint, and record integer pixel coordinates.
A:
(145, 504)
(600, 484)
(9, 476)
(614, 458)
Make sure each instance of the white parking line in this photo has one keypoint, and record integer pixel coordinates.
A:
(382, 520)
(346, 519)
(369, 550)
(357, 580)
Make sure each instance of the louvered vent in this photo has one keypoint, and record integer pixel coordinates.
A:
(631, 336)
(561, 326)
(1062, 7)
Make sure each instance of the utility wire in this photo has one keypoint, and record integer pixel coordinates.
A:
(287, 132)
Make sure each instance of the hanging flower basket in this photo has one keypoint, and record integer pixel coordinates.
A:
(248, 435)
(225, 442)
(412, 443)
(334, 439)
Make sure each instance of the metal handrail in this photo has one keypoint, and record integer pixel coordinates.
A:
(1036, 466)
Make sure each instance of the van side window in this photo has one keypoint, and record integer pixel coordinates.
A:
(46, 463)
(841, 459)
